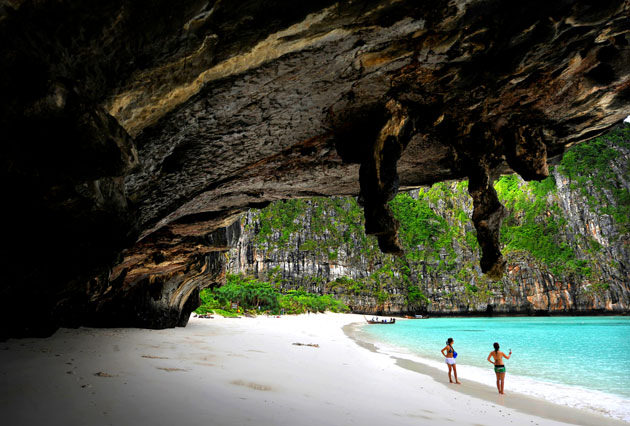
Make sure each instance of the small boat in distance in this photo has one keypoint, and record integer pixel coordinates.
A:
(417, 316)
(375, 320)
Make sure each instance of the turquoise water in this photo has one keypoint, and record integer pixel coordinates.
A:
(579, 353)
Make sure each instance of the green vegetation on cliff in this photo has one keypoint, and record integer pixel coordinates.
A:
(534, 224)
(331, 222)
(422, 232)
(587, 166)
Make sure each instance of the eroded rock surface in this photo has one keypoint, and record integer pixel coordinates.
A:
(124, 120)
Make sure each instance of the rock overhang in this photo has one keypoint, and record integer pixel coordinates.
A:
(181, 118)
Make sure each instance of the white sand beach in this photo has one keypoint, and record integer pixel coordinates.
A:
(243, 371)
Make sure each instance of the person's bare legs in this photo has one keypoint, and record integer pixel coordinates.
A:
(498, 382)
(455, 371)
(450, 367)
(502, 382)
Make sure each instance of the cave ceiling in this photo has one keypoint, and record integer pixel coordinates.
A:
(135, 132)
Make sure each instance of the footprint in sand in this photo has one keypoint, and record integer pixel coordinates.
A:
(102, 374)
(170, 369)
(154, 357)
(251, 385)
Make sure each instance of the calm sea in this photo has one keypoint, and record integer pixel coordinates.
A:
(577, 361)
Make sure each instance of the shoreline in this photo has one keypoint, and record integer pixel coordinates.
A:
(504, 314)
(299, 370)
(523, 403)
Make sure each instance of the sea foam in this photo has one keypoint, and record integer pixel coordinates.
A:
(572, 396)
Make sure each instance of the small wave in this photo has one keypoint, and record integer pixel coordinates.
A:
(572, 396)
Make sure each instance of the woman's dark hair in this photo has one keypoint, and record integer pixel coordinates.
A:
(449, 340)
(496, 347)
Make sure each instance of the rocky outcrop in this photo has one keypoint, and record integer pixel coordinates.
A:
(124, 119)
(157, 283)
(580, 266)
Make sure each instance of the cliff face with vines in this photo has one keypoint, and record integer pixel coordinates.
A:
(566, 240)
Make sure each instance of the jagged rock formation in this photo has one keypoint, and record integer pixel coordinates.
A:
(123, 119)
(566, 244)
(170, 268)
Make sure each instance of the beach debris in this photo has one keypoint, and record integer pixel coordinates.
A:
(313, 345)
(154, 357)
(169, 369)
(204, 316)
(102, 374)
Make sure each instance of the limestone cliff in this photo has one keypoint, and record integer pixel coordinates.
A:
(567, 244)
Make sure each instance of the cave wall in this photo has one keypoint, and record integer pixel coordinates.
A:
(124, 121)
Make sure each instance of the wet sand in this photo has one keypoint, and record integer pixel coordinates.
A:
(513, 400)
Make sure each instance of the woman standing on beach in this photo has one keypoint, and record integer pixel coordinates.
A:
(450, 355)
(499, 368)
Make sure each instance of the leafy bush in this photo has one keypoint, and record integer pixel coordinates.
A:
(415, 296)
(299, 301)
(259, 296)
(225, 313)
(247, 292)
